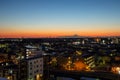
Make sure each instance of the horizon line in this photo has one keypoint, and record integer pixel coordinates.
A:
(72, 36)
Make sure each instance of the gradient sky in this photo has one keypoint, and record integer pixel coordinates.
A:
(51, 18)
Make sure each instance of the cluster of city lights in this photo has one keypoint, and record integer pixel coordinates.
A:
(116, 70)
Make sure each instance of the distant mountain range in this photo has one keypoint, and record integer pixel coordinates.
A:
(74, 36)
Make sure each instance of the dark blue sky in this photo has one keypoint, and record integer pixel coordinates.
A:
(51, 14)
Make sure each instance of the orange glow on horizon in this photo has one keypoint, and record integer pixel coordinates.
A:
(38, 31)
(54, 34)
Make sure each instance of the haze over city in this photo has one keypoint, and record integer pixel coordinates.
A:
(53, 18)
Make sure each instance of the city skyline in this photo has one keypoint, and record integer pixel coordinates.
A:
(53, 18)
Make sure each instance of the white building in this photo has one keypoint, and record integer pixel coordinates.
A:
(35, 68)
(31, 67)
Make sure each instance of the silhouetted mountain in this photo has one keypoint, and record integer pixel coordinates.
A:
(74, 36)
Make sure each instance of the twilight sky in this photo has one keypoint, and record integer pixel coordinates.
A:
(51, 18)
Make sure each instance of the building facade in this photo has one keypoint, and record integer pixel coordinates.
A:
(35, 68)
